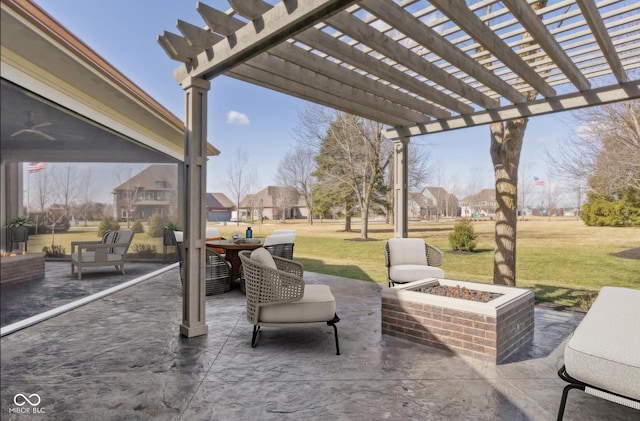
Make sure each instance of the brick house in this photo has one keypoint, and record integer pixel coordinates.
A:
(151, 191)
(272, 201)
(481, 204)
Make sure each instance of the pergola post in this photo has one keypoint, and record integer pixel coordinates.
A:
(195, 177)
(401, 187)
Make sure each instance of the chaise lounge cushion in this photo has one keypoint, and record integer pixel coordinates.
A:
(317, 305)
(604, 351)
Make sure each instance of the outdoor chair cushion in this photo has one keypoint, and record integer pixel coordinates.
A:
(407, 251)
(263, 257)
(316, 305)
(604, 350)
(410, 273)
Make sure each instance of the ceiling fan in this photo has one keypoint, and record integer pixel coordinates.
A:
(30, 127)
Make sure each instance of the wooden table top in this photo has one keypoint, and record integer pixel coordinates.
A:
(230, 245)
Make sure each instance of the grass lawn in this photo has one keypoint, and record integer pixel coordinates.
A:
(561, 259)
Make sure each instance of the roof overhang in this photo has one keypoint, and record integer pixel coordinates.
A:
(86, 108)
(422, 67)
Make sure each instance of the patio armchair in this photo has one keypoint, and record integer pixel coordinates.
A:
(217, 275)
(111, 251)
(277, 295)
(411, 259)
(280, 245)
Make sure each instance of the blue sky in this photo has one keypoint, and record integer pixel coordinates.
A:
(124, 32)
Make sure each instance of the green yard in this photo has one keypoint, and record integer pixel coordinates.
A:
(561, 259)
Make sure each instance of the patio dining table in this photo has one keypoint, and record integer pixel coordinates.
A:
(231, 249)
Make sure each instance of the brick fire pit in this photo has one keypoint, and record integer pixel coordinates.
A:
(485, 331)
(21, 267)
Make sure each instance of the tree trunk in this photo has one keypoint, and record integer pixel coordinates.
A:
(506, 144)
(364, 229)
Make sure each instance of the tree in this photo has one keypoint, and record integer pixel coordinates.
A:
(506, 145)
(351, 157)
(297, 169)
(241, 177)
(605, 152)
(67, 188)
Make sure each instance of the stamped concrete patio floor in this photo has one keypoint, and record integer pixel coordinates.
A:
(122, 358)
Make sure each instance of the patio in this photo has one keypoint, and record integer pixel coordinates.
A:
(122, 357)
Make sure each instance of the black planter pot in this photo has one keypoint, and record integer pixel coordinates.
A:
(19, 234)
(168, 238)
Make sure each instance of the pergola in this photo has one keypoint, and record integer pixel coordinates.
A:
(418, 67)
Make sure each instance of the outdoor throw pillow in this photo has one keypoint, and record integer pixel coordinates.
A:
(263, 257)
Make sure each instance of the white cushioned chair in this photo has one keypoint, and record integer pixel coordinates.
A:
(278, 297)
(111, 251)
(411, 259)
(602, 358)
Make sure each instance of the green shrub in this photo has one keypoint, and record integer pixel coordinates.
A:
(137, 227)
(108, 223)
(156, 226)
(612, 211)
(54, 251)
(147, 251)
(463, 237)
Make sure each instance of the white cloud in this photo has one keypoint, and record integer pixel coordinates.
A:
(237, 118)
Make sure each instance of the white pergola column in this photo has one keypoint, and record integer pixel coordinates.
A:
(195, 179)
(401, 187)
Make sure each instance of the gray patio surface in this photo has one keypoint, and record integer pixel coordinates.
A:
(122, 358)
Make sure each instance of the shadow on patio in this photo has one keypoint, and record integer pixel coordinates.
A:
(122, 357)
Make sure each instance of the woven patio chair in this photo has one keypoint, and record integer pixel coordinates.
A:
(278, 297)
(280, 245)
(217, 271)
(411, 259)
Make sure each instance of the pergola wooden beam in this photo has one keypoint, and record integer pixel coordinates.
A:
(217, 21)
(365, 34)
(396, 16)
(344, 90)
(458, 12)
(283, 21)
(592, 16)
(530, 20)
(315, 63)
(599, 96)
(338, 49)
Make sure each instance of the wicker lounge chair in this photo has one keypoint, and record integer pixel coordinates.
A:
(217, 271)
(111, 251)
(411, 259)
(278, 297)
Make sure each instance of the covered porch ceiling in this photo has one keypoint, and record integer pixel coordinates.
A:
(421, 67)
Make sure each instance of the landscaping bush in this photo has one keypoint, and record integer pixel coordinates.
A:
(463, 237)
(144, 250)
(137, 227)
(54, 251)
(156, 226)
(612, 211)
(108, 223)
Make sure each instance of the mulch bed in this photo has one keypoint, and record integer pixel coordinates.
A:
(460, 292)
(628, 254)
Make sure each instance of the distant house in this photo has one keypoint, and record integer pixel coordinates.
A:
(219, 207)
(272, 201)
(433, 202)
(152, 191)
(481, 204)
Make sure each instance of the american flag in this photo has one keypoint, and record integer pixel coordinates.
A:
(36, 166)
(539, 182)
